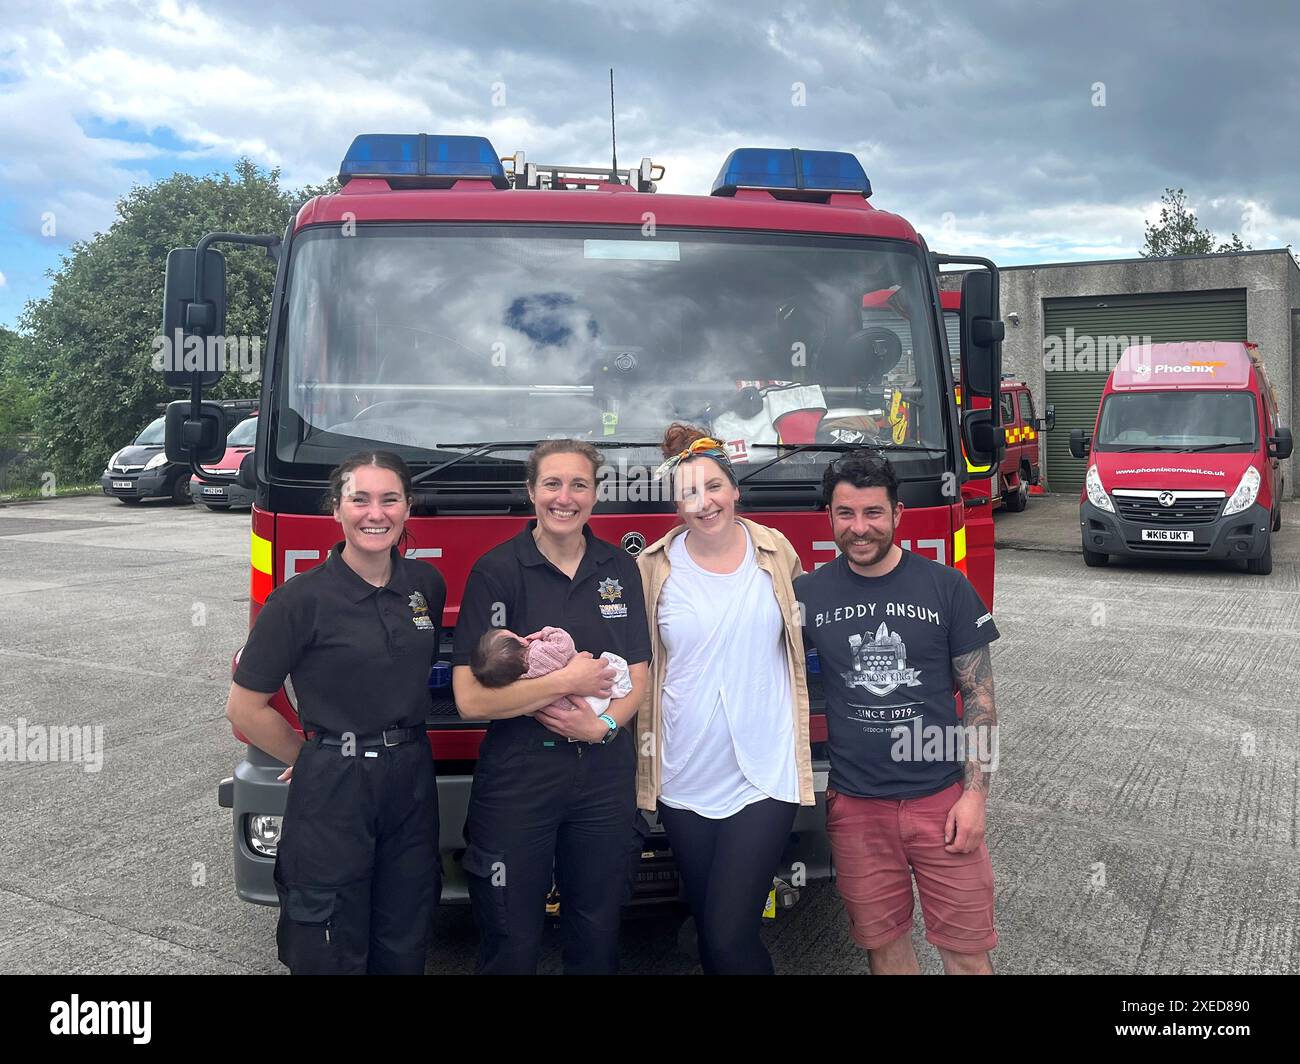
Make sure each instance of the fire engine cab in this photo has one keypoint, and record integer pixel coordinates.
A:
(457, 308)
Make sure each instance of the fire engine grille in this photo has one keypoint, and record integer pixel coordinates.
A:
(1184, 511)
(443, 707)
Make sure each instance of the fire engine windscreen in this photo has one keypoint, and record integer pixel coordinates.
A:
(429, 339)
(1184, 420)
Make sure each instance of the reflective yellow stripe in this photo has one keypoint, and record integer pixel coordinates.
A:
(261, 553)
(959, 545)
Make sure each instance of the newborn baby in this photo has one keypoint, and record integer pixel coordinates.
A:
(502, 657)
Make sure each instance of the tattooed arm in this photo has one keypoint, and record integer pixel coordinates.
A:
(964, 828)
(974, 675)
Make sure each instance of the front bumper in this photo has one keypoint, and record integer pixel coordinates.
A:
(150, 485)
(254, 790)
(1239, 535)
(221, 494)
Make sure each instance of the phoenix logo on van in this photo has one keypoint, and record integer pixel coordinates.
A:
(1191, 367)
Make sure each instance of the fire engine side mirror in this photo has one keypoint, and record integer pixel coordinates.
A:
(187, 325)
(247, 477)
(982, 440)
(1080, 444)
(981, 335)
(200, 439)
(1279, 445)
(1046, 424)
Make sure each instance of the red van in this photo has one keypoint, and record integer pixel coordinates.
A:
(1185, 457)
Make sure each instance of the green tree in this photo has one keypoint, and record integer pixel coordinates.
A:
(90, 356)
(1177, 231)
(17, 400)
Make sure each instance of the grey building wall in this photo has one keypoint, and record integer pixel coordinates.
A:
(1271, 280)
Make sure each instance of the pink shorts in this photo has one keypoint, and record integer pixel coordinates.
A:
(878, 844)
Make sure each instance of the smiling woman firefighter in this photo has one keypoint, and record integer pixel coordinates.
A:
(553, 792)
(357, 869)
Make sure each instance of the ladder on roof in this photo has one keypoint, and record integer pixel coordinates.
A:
(523, 174)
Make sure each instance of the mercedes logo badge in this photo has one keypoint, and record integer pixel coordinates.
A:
(633, 543)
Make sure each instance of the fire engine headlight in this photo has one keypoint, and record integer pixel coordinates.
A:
(1245, 494)
(1096, 493)
(264, 834)
(159, 459)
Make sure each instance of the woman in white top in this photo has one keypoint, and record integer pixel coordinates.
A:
(725, 702)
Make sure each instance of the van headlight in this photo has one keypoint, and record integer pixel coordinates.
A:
(1096, 493)
(1245, 494)
(112, 461)
(159, 459)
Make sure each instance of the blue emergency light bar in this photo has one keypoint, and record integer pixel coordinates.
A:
(418, 157)
(793, 170)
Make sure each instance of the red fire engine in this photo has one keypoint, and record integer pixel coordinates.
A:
(457, 310)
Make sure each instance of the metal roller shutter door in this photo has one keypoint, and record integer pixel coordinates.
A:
(1076, 392)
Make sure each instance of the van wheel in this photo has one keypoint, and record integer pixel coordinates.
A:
(1277, 519)
(1015, 499)
(181, 491)
(1095, 559)
(1263, 565)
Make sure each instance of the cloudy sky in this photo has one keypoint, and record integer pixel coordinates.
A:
(1028, 132)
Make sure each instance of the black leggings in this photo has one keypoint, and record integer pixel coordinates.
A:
(727, 868)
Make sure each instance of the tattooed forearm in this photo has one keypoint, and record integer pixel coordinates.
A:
(974, 675)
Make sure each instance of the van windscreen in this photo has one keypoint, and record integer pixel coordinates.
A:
(1177, 421)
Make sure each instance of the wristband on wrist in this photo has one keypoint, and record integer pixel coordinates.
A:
(612, 724)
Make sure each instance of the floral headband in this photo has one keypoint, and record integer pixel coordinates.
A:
(706, 446)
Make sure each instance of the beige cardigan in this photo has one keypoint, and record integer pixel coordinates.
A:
(774, 555)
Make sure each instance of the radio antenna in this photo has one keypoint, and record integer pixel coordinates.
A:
(613, 135)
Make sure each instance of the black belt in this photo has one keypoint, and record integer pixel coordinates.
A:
(387, 737)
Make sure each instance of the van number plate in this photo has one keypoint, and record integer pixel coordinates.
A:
(1168, 535)
(124, 483)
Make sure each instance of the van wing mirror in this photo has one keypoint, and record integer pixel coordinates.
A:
(1047, 422)
(1279, 444)
(1080, 444)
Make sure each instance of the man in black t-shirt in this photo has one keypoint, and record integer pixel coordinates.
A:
(895, 634)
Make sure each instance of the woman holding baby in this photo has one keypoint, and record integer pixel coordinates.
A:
(553, 789)
(723, 742)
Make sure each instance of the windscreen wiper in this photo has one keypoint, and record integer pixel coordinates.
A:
(475, 451)
(840, 448)
(1216, 446)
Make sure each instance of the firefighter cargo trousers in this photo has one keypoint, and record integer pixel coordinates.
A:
(357, 869)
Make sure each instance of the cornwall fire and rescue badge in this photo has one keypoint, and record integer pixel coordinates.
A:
(880, 662)
(611, 591)
(419, 610)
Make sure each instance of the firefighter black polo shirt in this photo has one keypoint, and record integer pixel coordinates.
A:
(359, 655)
(513, 586)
